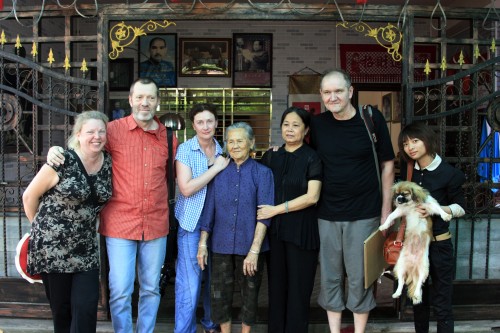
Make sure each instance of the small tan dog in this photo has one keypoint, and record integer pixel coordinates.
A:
(412, 267)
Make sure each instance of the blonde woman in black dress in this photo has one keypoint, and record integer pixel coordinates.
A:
(62, 204)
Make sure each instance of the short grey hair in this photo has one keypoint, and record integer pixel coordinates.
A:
(338, 72)
(248, 131)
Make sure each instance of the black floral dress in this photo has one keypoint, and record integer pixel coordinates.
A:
(64, 233)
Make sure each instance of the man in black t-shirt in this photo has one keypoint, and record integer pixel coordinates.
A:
(351, 205)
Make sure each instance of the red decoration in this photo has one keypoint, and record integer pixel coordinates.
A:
(1, 4)
(361, 2)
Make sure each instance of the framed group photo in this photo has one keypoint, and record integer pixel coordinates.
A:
(252, 60)
(157, 59)
(205, 57)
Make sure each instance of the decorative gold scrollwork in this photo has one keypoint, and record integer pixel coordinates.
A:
(389, 36)
(122, 35)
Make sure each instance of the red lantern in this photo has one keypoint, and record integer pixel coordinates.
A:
(361, 2)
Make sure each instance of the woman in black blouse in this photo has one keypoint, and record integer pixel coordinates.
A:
(294, 237)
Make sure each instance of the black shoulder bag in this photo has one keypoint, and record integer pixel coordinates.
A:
(168, 268)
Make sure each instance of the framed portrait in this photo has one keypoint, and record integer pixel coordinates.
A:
(157, 59)
(121, 74)
(252, 60)
(396, 107)
(387, 106)
(205, 57)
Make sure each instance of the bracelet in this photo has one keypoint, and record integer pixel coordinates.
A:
(202, 245)
(254, 252)
(286, 206)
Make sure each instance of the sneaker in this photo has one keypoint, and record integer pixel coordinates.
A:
(214, 330)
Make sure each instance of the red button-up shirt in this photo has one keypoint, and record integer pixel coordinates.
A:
(138, 209)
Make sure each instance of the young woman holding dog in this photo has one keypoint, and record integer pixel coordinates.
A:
(419, 143)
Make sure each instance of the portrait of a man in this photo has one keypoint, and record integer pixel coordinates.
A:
(158, 59)
(252, 60)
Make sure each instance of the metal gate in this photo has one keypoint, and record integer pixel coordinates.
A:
(38, 105)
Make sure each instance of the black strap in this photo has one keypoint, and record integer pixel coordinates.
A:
(171, 180)
(366, 114)
(93, 195)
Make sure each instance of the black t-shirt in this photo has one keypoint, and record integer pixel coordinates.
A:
(350, 188)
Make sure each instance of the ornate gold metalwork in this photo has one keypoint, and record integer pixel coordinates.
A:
(51, 59)
(390, 34)
(3, 40)
(34, 50)
(84, 67)
(493, 46)
(476, 52)
(67, 65)
(18, 43)
(461, 60)
(122, 35)
(443, 64)
(427, 69)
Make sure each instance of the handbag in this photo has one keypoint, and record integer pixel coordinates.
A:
(394, 241)
(22, 260)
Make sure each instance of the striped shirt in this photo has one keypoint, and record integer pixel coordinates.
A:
(188, 209)
(138, 209)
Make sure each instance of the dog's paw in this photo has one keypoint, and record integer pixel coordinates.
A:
(396, 294)
(417, 299)
(384, 226)
(446, 217)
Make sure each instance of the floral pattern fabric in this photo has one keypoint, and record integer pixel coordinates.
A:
(64, 231)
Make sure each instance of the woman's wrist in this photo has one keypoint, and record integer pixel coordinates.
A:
(254, 252)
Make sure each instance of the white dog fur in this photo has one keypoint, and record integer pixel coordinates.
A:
(412, 267)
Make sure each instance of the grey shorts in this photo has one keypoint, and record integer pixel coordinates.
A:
(227, 269)
(341, 254)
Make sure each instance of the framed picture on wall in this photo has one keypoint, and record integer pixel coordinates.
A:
(157, 59)
(252, 60)
(205, 57)
(387, 106)
(121, 74)
(396, 107)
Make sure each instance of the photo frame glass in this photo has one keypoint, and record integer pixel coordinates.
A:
(205, 57)
(252, 60)
(157, 59)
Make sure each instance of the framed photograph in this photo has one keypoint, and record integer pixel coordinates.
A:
(157, 59)
(205, 57)
(121, 74)
(387, 106)
(252, 60)
(396, 107)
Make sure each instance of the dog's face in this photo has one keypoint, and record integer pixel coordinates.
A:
(406, 192)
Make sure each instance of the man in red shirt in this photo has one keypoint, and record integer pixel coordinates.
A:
(135, 220)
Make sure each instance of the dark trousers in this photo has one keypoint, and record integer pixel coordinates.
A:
(441, 271)
(291, 280)
(73, 300)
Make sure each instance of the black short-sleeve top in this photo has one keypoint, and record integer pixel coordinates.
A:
(292, 171)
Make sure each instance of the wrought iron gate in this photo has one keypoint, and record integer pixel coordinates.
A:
(38, 105)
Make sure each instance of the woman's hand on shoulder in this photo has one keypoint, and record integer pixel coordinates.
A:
(221, 162)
